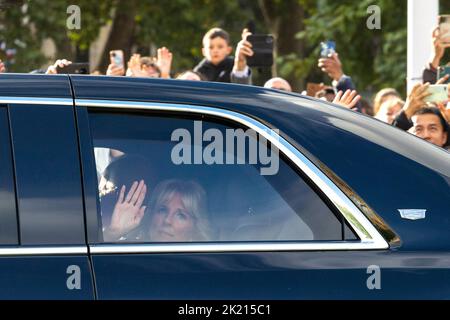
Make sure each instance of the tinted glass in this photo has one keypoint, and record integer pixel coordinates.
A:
(48, 174)
(165, 179)
(8, 216)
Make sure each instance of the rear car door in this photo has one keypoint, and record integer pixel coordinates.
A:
(43, 252)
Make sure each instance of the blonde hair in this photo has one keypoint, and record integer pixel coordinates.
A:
(381, 96)
(193, 197)
(385, 106)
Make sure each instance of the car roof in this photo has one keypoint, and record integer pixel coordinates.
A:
(34, 85)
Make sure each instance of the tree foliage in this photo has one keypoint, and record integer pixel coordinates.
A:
(177, 24)
(374, 58)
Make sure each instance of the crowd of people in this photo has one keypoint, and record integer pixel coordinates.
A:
(428, 120)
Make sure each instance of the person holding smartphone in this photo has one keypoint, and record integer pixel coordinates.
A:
(332, 65)
(116, 66)
(218, 64)
(421, 119)
(429, 73)
(241, 71)
(416, 100)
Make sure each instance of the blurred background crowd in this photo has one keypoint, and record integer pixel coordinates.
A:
(203, 40)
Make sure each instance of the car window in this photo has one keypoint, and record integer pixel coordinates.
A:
(172, 179)
(47, 165)
(8, 215)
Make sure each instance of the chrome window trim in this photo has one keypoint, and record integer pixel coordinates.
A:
(219, 247)
(33, 100)
(43, 250)
(369, 235)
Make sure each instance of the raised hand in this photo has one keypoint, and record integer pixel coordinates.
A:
(243, 50)
(444, 106)
(59, 63)
(114, 70)
(439, 46)
(349, 99)
(128, 211)
(2, 67)
(164, 62)
(443, 80)
(134, 66)
(331, 65)
(415, 99)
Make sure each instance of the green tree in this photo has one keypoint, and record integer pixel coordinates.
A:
(136, 25)
(25, 24)
(374, 58)
(284, 20)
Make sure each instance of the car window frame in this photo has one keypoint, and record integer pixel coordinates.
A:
(21, 249)
(369, 237)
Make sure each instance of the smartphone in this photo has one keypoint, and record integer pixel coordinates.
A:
(74, 68)
(116, 57)
(327, 48)
(262, 46)
(439, 93)
(444, 28)
(442, 71)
